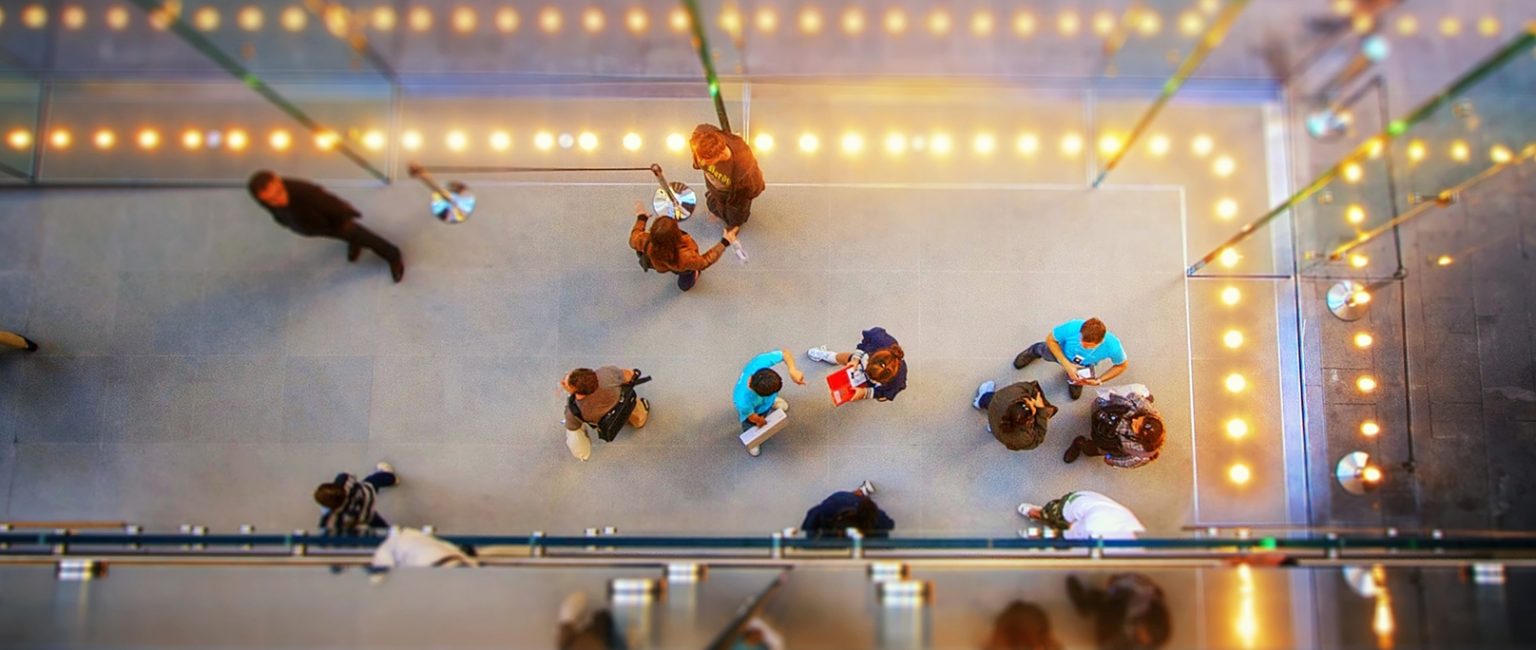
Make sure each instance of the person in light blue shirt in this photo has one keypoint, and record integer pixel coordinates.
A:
(1079, 346)
(757, 391)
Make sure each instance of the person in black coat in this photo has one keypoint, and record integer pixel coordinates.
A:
(843, 510)
(309, 210)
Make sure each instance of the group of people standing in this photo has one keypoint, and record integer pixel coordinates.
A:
(1126, 429)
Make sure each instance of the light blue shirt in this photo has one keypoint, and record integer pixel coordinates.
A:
(1069, 336)
(747, 400)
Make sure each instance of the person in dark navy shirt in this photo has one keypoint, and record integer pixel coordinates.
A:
(880, 358)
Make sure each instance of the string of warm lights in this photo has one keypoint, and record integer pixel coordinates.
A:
(809, 20)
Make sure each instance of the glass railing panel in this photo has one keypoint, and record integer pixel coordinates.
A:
(19, 97)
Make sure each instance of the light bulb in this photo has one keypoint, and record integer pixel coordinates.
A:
(762, 143)
(809, 143)
(631, 141)
(149, 139)
(1232, 339)
(676, 142)
(1370, 428)
(1235, 383)
(1231, 295)
(1364, 340)
(1237, 428)
(1366, 383)
(1239, 474)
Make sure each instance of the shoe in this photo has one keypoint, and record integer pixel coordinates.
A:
(867, 488)
(384, 466)
(647, 404)
(780, 404)
(31, 344)
(1075, 391)
(987, 386)
(397, 269)
(755, 451)
(822, 354)
(353, 252)
(1025, 358)
(1024, 509)
(1074, 451)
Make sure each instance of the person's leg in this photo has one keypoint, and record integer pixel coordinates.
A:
(685, 281)
(1081, 446)
(17, 341)
(377, 522)
(712, 201)
(357, 235)
(641, 414)
(381, 479)
(736, 215)
(1031, 353)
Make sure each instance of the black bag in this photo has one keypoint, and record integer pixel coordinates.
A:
(609, 425)
(645, 261)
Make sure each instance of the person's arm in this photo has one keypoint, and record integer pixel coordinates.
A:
(794, 371)
(1114, 372)
(1061, 357)
(573, 420)
(638, 237)
(691, 260)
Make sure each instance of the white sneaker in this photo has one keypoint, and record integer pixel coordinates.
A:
(755, 451)
(1024, 509)
(987, 386)
(867, 488)
(780, 404)
(384, 466)
(822, 354)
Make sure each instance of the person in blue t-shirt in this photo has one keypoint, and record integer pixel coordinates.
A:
(757, 390)
(1079, 346)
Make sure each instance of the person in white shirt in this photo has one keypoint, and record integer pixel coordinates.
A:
(1085, 515)
(408, 547)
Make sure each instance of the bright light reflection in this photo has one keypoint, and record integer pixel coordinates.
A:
(762, 143)
(631, 141)
(809, 143)
(1235, 383)
(1237, 428)
(1231, 296)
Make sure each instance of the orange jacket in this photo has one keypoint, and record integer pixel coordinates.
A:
(688, 257)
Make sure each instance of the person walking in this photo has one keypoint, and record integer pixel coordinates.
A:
(879, 357)
(1129, 611)
(1084, 515)
(732, 178)
(605, 400)
(665, 248)
(1079, 346)
(17, 342)
(843, 510)
(1126, 429)
(309, 210)
(347, 504)
(757, 390)
(408, 547)
(1017, 415)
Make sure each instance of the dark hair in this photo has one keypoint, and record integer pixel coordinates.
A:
(864, 517)
(666, 239)
(1156, 624)
(1151, 433)
(1017, 416)
(1093, 331)
(707, 142)
(330, 495)
(1022, 626)
(259, 181)
(583, 380)
(766, 382)
(884, 364)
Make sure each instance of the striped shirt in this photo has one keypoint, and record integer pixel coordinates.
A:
(355, 513)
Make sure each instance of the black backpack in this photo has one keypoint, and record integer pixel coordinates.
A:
(609, 425)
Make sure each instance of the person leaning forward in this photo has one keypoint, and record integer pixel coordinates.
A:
(731, 175)
(309, 210)
(1079, 346)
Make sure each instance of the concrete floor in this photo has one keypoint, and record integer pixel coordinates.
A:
(203, 366)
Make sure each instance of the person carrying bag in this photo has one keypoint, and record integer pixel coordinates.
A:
(605, 400)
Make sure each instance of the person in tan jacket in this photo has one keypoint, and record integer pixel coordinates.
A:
(665, 248)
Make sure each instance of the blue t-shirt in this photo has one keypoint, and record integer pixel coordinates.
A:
(876, 339)
(1069, 336)
(747, 400)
